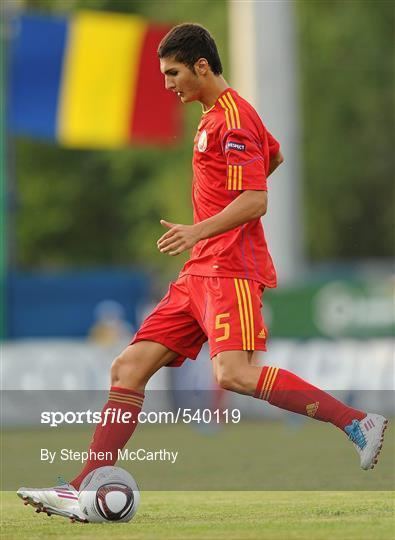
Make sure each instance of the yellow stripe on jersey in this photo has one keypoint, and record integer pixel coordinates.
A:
(240, 176)
(235, 109)
(241, 314)
(231, 111)
(226, 113)
(246, 315)
(234, 177)
(233, 181)
(230, 172)
(232, 117)
(251, 313)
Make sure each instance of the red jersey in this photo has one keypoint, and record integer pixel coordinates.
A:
(232, 151)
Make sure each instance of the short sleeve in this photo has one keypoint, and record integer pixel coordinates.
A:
(245, 162)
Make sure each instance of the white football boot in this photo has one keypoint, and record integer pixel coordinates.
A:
(367, 436)
(59, 500)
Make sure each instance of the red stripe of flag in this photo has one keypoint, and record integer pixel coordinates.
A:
(156, 112)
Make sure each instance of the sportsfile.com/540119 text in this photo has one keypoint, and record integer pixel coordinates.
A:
(118, 416)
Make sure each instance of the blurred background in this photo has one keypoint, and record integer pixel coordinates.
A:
(94, 152)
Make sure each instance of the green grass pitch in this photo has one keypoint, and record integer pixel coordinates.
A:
(222, 515)
(327, 496)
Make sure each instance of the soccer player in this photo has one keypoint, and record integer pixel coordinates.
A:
(217, 296)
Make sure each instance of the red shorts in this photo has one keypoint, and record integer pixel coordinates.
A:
(224, 311)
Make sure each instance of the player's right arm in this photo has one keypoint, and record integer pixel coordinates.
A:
(245, 207)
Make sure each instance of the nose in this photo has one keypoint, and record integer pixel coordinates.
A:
(169, 84)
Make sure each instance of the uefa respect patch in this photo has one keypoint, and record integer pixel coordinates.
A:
(230, 145)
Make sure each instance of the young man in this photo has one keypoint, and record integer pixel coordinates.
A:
(217, 296)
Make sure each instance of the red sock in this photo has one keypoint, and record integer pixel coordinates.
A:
(288, 391)
(114, 434)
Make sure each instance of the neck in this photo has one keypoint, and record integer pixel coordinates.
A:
(213, 91)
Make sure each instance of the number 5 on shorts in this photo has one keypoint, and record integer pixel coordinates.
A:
(225, 326)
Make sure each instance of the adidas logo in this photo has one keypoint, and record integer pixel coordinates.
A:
(369, 424)
(312, 408)
(262, 334)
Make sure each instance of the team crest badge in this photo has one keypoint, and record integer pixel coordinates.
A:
(202, 142)
(312, 409)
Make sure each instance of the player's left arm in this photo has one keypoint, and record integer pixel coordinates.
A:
(247, 206)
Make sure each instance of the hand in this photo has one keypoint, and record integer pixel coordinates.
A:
(178, 238)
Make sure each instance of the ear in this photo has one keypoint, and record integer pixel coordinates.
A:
(202, 66)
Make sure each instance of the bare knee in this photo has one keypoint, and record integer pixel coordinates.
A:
(137, 363)
(129, 370)
(227, 377)
(124, 371)
(233, 371)
(225, 380)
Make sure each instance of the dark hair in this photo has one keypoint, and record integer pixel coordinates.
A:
(187, 43)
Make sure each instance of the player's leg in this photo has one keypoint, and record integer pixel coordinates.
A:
(130, 372)
(133, 368)
(234, 371)
(281, 388)
(235, 326)
(288, 391)
(167, 337)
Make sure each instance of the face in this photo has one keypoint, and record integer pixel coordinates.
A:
(182, 80)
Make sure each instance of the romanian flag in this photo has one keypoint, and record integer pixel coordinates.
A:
(89, 81)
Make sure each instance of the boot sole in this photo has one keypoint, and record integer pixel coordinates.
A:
(49, 510)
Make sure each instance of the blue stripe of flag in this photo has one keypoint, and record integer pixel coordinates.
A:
(36, 60)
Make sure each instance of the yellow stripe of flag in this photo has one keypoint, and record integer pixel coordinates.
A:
(251, 313)
(247, 319)
(236, 111)
(241, 315)
(99, 78)
(231, 111)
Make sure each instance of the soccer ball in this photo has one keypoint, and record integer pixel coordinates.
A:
(108, 495)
